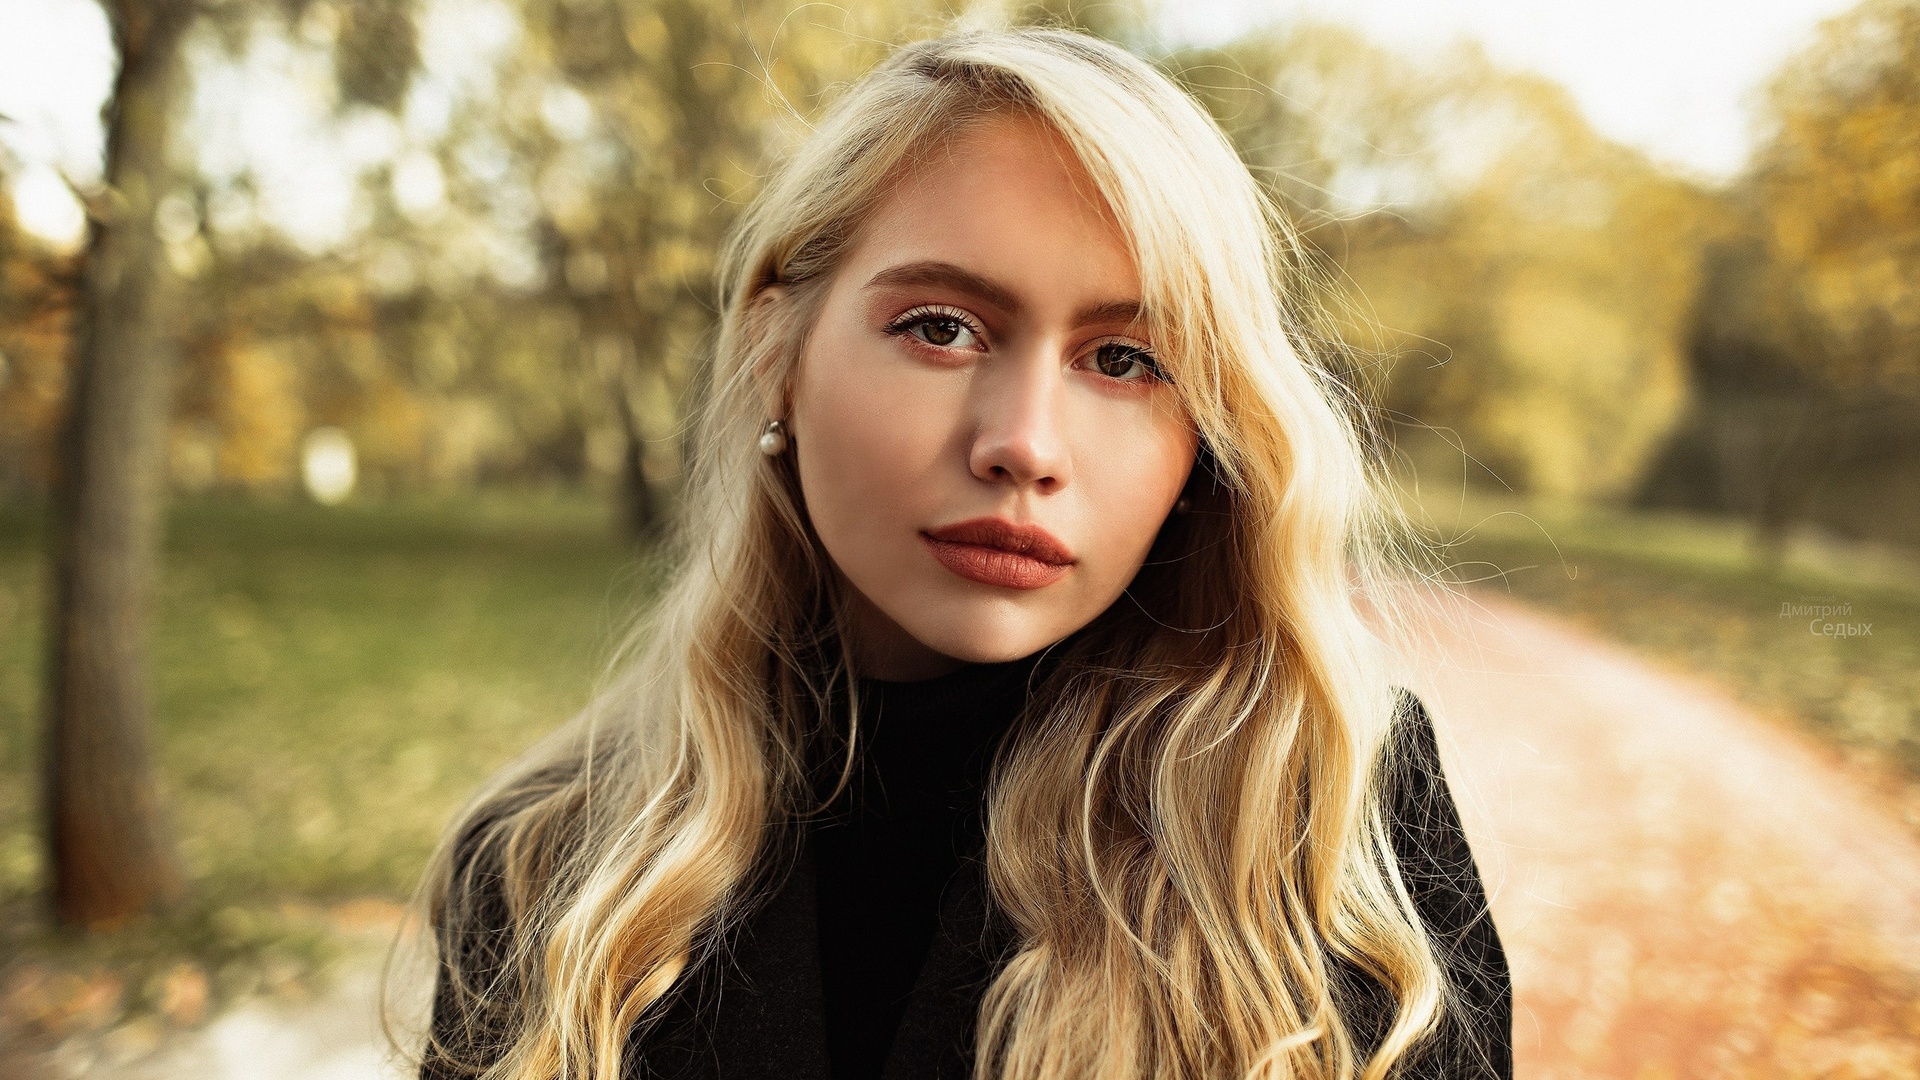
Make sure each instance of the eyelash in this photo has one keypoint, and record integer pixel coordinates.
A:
(907, 320)
(927, 313)
(1143, 355)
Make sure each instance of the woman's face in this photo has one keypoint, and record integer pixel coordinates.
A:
(985, 445)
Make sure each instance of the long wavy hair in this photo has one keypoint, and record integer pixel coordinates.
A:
(1186, 830)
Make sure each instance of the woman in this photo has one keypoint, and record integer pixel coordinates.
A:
(1009, 711)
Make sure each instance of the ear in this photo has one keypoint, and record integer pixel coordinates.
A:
(766, 319)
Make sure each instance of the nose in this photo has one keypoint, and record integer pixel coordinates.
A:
(1020, 429)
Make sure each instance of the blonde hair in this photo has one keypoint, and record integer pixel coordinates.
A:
(1187, 832)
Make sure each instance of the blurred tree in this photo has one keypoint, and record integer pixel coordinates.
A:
(539, 312)
(376, 50)
(1526, 282)
(1839, 188)
(1806, 347)
(1125, 22)
(1760, 434)
(658, 115)
(526, 287)
(1561, 287)
(1334, 126)
(108, 851)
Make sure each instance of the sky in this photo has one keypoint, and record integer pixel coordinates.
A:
(1677, 78)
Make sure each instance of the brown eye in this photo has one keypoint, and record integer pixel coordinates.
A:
(1125, 362)
(939, 330)
(940, 327)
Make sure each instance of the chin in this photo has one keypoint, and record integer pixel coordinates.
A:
(986, 637)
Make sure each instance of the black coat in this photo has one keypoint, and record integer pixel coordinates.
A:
(760, 1013)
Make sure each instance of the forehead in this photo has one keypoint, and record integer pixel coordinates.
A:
(1004, 197)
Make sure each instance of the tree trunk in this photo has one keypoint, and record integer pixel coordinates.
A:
(108, 845)
(1797, 461)
(639, 511)
(625, 323)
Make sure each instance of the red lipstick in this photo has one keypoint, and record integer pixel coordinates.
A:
(995, 551)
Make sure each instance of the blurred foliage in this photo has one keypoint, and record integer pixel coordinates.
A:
(1839, 188)
(1806, 347)
(36, 301)
(1534, 280)
(522, 287)
(657, 118)
(378, 50)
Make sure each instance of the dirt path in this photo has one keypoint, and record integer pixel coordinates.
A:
(335, 1035)
(1685, 889)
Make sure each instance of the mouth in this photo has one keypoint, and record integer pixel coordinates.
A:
(995, 551)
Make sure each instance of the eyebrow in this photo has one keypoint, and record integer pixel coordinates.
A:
(959, 277)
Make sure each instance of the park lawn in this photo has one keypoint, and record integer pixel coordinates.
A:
(1691, 592)
(331, 684)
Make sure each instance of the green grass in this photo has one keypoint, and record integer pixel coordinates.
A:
(1693, 592)
(332, 683)
(330, 687)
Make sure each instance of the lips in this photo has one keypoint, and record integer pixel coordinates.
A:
(995, 551)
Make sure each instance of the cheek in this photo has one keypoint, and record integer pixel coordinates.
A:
(1130, 486)
(863, 435)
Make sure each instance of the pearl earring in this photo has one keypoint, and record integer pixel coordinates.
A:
(773, 441)
(1182, 505)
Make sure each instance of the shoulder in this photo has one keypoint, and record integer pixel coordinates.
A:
(470, 903)
(1444, 881)
(475, 915)
(473, 875)
(474, 994)
(1415, 790)
(1423, 821)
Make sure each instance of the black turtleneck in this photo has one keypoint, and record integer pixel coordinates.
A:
(891, 842)
(881, 861)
